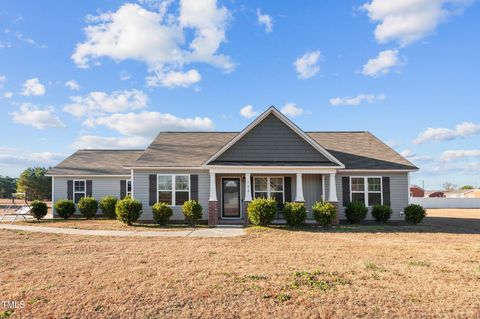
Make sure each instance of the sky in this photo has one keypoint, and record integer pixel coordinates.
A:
(112, 74)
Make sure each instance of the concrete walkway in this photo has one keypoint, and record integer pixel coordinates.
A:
(198, 232)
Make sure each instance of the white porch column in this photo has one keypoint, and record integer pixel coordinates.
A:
(332, 191)
(248, 188)
(323, 187)
(213, 188)
(299, 188)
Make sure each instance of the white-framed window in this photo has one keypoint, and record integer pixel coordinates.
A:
(269, 187)
(366, 189)
(128, 186)
(173, 189)
(79, 190)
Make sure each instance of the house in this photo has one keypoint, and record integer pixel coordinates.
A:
(224, 171)
(463, 193)
(416, 191)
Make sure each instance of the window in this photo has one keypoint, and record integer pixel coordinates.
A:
(79, 190)
(269, 187)
(367, 190)
(173, 189)
(128, 191)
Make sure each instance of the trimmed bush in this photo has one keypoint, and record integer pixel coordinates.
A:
(356, 212)
(414, 214)
(262, 211)
(295, 213)
(88, 207)
(128, 210)
(161, 213)
(65, 208)
(381, 213)
(192, 211)
(39, 209)
(107, 205)
(324, 213)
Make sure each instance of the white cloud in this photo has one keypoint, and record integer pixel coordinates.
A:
(382, 64)
(32, 115)
(392, 143)
(248, 112)
(33, 87)
(357, 100)
(461, 130)
(411, 156)
(124, 75)
(8, 94)
(265, 20)
(175, 79)
(159, 37)
(21, 157)
(148, 124)
(307, 65)
(3, 79)
(72, 85)
(459, 154)
(408, 21)
(101, 142)
(291, 109)
(101, 102)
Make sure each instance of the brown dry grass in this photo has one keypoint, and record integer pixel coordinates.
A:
(428, 271)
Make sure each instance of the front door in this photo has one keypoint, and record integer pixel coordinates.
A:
(231, 197)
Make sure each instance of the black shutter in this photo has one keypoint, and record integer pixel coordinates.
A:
(288, 189)
(70, 189)
(194, 187)
(89, 188)
(123, 188)
(152, 189)
(386, 190)
(251, 186)
(346, 190)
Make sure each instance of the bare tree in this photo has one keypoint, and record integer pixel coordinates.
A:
(447, 186)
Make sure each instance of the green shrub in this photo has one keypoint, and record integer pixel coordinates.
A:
(381, 213)
(39, 209)
(192, 211)
(107, 205)
(65, 208)
(295, 213)
(324, 213)
(88, 207)
(262, 211)
(414, 214)
(162, 213)
(356, 212)
(128, 210)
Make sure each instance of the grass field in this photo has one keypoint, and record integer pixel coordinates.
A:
(426, 271)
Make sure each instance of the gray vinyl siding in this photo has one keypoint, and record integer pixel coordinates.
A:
(141, 192)
(272, 140)
(312, 191)
(101, 186)
(398, 192)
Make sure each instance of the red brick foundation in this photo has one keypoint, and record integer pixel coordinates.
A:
(246, 221)
(337, 215)
(213, 213)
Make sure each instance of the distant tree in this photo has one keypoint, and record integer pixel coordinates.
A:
(447, 186)
(35, 184)
(7, 186)
(467, 187)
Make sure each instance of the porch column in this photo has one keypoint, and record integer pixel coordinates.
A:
(332, 194)
(212, 201)
(323, 187)
(248, 197)
(299, 188)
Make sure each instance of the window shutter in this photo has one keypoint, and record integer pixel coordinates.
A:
(194, 187)
(386, 190)
(152, 189)
(89, 188)
(288, 188)
(346, 190)
(70, 189)
(251, 185)
(123, 188)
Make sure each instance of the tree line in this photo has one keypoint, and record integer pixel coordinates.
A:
(32, 182)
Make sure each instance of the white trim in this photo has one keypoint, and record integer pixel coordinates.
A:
(285, 120)
(271, 170)
(299, 188)
(332, 188)
(173, 190)
(131, 177)
(365, 190)
(248, 188)
(88, 176)
(323, 187)
(75, 192)
(239, 198)
(165, 168)
(213, 188)
(378, 170)
(268, 191)
(126, 187)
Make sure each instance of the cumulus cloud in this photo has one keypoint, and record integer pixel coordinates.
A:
(174, 79)
(72, 85)
(357, 100)
(248, 112)
(158, 37)
(37, 117)
(291, 109)
(382, 64)
(411, 156)
(101, 102)
(102, 142)
(459, 154)
(21, 157)
(307, 65)
(461, 130)
(33, 87)
(265, 20)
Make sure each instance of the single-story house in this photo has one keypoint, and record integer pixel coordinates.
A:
(462, 193)
(417, 191)
(224, 171)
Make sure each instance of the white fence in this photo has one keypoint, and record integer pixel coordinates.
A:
(442, 202)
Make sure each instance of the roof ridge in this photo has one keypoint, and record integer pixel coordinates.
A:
(114, 149)
(336, 131)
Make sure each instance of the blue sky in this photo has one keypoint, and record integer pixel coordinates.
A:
(84, 74)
